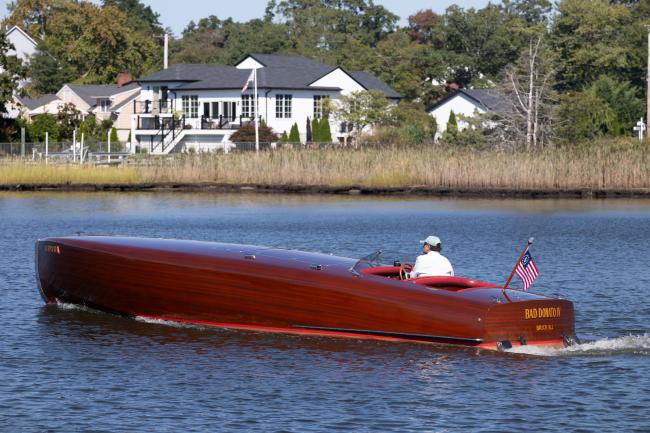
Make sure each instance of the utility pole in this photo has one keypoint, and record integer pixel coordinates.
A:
(166, 52)
(647, 83)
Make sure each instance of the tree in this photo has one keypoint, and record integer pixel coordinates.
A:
(41, 124)
(114, 138)
(424, 28)
(527, 87)
(589, 39)
(412, 123)
(452, 126)
(294, 134)
(584, 115)
(46, 73)
(11, 72)
(309, 138)
(93, 43)
(285, 137)
(325, 135)
(68, 118)
(622, 98)
(362, 108)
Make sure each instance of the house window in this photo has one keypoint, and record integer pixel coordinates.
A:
(319, 105)
(283, 106)
(104, 105)
(248, 106)
(190, 106)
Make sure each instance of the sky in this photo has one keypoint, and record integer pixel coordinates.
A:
(177, 13)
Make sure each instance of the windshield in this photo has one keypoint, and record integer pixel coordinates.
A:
(369, 261)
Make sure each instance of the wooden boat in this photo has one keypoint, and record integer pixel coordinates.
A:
(269, 289)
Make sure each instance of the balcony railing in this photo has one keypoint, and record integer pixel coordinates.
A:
(167, 123)
(162, 106)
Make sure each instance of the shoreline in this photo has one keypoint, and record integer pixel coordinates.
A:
(577, 193)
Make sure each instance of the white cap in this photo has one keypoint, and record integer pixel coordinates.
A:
(431, 240)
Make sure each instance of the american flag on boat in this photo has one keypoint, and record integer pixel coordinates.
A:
(526, 270)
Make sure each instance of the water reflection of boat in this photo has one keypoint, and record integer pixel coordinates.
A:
(267, 289)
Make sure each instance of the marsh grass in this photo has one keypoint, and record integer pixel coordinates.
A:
(620, 165)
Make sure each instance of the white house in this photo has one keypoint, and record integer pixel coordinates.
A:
(23, 48)
(467, 103)
(191, 106)
(24, 45)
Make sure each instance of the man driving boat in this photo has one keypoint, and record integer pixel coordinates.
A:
(431, 263)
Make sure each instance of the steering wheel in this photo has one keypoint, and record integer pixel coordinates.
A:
(405, 269)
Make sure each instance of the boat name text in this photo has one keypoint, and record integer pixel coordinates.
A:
(52, 249)
(541, 313)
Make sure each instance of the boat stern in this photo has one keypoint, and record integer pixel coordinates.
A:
(546, 322)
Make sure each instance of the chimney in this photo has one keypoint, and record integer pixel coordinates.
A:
(123, 78)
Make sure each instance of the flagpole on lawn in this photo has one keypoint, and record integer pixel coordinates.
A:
(257, 117)
(528, 244)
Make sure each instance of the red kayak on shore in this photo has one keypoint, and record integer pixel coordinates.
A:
(276, 290)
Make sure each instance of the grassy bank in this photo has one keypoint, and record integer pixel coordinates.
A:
(619, 165)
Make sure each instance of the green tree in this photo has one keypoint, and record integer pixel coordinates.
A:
(114, 138)
(294, 134)
(95, 43)
(593, 38)
(309, 134)
(47, 74)
(325, 132)
(452, 127)
(11, 72)
(316, 130)
(622, 99)
(362, 108)
(584, 115)
(68, 119)
(285, 137)
(40, 125)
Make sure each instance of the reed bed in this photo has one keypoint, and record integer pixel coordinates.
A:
(622, 165)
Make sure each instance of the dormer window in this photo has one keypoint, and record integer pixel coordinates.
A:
(104, 105)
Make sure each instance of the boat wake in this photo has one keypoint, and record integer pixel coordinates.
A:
(629, 344)
(171, 323)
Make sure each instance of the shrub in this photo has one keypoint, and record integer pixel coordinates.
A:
(294, 135)
(246, 134)
(325, 132)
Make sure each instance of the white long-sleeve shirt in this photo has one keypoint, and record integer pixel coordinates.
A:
(432, 264)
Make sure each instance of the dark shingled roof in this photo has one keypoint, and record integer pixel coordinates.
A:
(489, 99)
(369, 81)
(279, 72)
(90, 92)
(33, 103)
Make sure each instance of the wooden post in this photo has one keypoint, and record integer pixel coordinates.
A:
(47, 139)
(109, 145)
(74, 146)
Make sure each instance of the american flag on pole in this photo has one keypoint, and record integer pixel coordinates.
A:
(251, 77)
(526, 270)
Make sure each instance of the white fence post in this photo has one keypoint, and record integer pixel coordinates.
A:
(74, 146)
(109, 144)
(81, 150)
(47, 144)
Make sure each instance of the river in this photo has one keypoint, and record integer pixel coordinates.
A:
(67, 369)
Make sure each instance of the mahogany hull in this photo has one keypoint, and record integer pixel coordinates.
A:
(268, 289)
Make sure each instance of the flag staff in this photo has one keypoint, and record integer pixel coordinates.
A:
(257, 117)
(528, 244)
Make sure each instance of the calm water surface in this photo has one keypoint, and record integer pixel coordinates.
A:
(67, 369)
